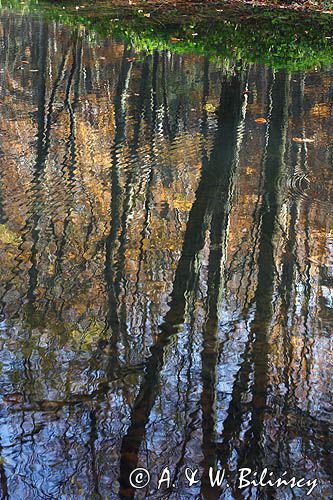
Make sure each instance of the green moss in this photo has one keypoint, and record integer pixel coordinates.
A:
(276, 38)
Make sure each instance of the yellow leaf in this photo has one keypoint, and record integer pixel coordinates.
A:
(145, 243)
(80, 309)
(183, 205)
(249, 170)
(7, 236)
(210, 108)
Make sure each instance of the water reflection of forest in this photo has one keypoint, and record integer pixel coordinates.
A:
(165, 268)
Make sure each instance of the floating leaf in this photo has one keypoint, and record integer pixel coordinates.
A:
(174, 39)
(210, 108)
(302, 139)
(250, 170)
(260, 120)
(314, 260)
(147, 14)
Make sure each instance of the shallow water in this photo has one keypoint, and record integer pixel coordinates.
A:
(166, 269)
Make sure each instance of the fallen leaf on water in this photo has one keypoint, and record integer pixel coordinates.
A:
(314, 260)
(147, 14)
(250, 170)
(210, 108)
(174, 39)
(260, 120)
(302, 139)
(24, 62)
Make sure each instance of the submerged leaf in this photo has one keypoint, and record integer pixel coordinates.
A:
(7, 236)
(15, 397)
(50, 405)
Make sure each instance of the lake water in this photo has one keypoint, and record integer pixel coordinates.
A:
(166, 269)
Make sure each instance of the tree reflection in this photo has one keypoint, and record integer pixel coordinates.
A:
(165, 275)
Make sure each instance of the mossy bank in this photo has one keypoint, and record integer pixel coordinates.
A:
(294, 41)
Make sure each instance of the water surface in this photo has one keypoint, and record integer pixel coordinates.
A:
(166, 268)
